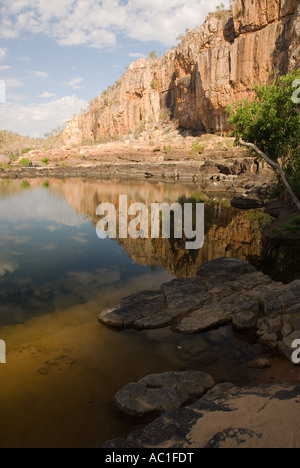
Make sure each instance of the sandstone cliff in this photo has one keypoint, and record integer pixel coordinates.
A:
(211, 68)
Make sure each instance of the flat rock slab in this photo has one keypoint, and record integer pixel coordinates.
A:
(158, 393)
(180, 298)
(226, 417)
(226, 291)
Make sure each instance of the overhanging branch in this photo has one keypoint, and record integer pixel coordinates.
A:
(275, 166)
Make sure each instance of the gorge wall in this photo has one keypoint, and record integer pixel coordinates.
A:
(212, 67)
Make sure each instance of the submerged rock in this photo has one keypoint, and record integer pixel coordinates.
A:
(226, 417)
(156, 394)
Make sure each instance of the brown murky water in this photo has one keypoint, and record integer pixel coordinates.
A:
(63, 368)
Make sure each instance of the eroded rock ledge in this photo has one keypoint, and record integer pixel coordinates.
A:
(226, 417)
(225, 291)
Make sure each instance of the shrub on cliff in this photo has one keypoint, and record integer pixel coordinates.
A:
(270, 125)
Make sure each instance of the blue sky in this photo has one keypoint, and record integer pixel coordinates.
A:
(56, 55)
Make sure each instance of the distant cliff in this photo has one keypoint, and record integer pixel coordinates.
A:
(211, 68)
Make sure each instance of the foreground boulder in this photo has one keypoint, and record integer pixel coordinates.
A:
(156, 394)
(226, 417)
(226, 291)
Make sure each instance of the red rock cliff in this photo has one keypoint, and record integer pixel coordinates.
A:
(211, 68)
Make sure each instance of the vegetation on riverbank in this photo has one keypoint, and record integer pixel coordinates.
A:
(270, 125)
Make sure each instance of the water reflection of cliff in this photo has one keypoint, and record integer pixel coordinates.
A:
(235, 239)
(228, 232)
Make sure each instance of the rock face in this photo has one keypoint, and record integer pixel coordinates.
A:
(212, 67)
(156, 394)
(225, 291)
(226, 417)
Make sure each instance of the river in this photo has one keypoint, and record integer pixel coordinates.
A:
(56, 276)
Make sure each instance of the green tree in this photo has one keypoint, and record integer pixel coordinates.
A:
(270, 125)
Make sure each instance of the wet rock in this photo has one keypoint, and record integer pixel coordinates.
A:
(226, 417)
(193, 305)
(287, 329)
(226, 291)
(133, 308)
(156, 394)
(247, 318)
(270, 340)
(295, 323)
(204, 318)
(287, 303)
(259, 363)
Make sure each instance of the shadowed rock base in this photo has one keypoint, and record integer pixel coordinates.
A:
(226, 417)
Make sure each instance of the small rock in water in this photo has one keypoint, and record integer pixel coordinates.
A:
(259, 363)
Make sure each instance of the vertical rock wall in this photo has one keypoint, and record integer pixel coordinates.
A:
(211, 68)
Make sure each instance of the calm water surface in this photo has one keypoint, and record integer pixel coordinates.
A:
(56, 276)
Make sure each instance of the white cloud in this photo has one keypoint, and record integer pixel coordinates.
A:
(98, 23)
(47, 95)
(5, 67)
(13, 83)
(37, 119)
(136, 55)
(3, 53)
(15, 97)
(54, 212)
(8, 266)
(23, 59)
(80, 239)
(38, 74)
(75, 83)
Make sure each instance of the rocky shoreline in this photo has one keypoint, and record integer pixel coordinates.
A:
(194, 411)
(226, 291)
(231, 171)
(226, 417)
